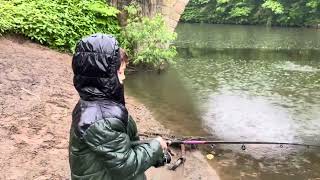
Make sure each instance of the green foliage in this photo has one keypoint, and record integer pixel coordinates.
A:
(240, 12)
(6, 20)
(58, 23)
(222, 1)
(274, 6)
(201, 1)
(313, 4)
(147, 40)
(273, 12)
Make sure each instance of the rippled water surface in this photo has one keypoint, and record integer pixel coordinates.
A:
(243, 83)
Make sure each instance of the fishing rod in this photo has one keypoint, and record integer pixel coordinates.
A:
(198, 140)
(192, 140)
(243, 143)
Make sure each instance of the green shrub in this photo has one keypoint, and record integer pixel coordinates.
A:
(6, 14)
(147, 40)
(274, 6)
(58, 23)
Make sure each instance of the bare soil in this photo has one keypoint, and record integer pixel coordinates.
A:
(37, 98)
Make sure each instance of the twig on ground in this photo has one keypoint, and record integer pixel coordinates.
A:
(27, 91)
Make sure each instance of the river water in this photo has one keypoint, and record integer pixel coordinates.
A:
(243, 83)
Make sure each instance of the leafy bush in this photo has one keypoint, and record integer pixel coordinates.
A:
(273, 5)
(6, 20)
(58, 23)
(147, 40)
(240, 12)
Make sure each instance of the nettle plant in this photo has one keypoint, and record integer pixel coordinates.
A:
(148, 40)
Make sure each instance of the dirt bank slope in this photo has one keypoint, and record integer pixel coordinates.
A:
(37, 97)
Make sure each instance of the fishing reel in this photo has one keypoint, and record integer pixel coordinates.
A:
(167, 157)
(181, 159)
(165, 160)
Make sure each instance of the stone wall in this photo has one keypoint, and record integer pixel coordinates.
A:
(170, 9)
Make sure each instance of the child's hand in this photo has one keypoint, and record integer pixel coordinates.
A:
(162, 142)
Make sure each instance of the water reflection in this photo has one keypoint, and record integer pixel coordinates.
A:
(168, 99)
(290, 66)
(238, 117)
(234, 37)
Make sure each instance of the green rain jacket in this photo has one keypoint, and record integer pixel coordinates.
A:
(103, 137)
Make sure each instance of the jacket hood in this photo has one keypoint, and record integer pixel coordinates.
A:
(95, 64)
